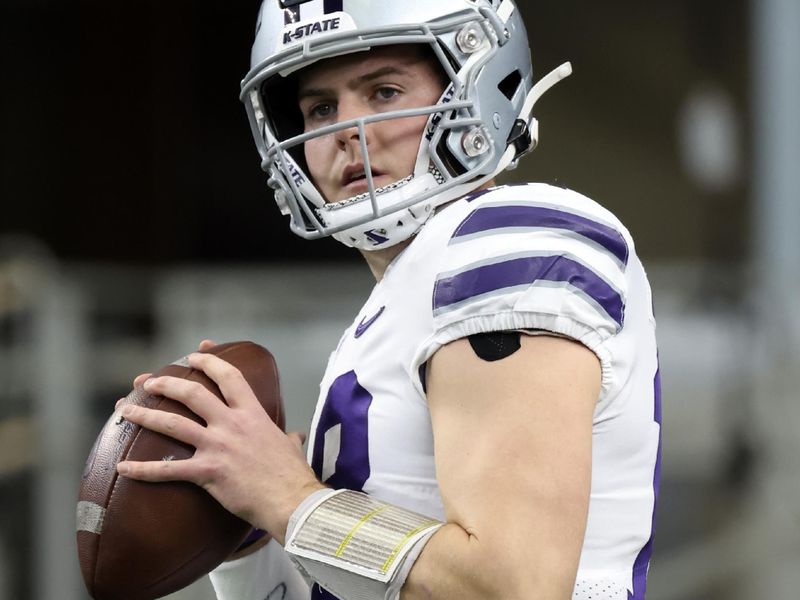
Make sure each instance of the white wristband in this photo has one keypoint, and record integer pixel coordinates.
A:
(355, 546)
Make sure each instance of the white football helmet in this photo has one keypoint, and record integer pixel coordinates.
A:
(480, 126)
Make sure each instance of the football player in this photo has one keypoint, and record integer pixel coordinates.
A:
(489, 425)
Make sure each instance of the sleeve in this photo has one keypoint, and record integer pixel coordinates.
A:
(555, 263)
(267, 574)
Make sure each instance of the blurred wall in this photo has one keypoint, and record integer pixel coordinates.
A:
(124, 139)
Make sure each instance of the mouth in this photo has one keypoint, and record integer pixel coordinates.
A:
(354, 179)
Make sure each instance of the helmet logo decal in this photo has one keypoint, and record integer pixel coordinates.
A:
(298, 33)
(436, 118)
(295, 173)
(332, 6)
(291, 15)
(376, 238)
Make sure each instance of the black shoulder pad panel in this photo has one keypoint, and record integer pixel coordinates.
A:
(495, 345)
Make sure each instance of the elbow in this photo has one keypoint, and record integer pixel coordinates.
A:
(501, 577)
(536, 589)
(457, 564)
(519, 586)
(527, 585)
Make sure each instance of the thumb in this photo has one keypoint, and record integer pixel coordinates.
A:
(140, 379)
(298, 438)
(206, 345)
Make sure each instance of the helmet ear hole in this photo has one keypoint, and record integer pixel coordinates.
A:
(279, 97)
(454, 166)
(450, 59)
(510, 84)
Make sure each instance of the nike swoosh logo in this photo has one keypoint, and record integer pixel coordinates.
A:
(364, 325)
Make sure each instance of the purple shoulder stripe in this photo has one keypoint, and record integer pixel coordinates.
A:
(528, 270)
(489, 218)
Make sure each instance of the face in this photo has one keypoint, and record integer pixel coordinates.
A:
(357, 85)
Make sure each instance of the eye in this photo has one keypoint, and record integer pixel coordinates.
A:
(386, 93)
(321, 110)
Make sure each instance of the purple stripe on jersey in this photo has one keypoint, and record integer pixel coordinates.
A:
(333, 6)
(642, 563)
(525, 271)
(500, 217)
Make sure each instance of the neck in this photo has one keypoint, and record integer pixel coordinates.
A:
(379, 260)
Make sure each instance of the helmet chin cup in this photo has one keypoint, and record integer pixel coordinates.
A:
(385, 230)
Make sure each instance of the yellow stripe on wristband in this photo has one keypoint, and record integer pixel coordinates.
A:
(353, 531)
(403, 542)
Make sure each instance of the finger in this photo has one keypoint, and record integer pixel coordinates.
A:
(191, 394)
(231, 382)
(140, 379)
(297, 437)
(175, 426)
(157, 470)
(206, 345)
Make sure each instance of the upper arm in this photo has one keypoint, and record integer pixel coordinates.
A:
(513, 450)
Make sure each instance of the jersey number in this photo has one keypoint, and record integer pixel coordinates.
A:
(341, 447)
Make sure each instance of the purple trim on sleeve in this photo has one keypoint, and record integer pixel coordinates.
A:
(252, 537)
(526, 271)
(512, 216)
(320, 593)
(642, 563)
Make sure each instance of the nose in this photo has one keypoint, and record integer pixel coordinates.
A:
(350, 136)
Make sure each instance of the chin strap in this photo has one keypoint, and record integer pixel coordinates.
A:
(524, 136)
(545, 83)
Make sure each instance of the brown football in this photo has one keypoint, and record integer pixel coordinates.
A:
(139, 540)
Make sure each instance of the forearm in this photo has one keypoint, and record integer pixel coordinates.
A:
(359, 547)
(447, 568)
(465, 565)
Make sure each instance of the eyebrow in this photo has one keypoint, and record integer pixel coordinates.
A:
(353, 83)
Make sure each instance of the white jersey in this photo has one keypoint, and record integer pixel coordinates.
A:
(517, 257)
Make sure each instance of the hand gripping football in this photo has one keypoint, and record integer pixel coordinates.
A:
(140, 540)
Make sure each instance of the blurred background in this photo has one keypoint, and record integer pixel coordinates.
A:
(135, 221)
